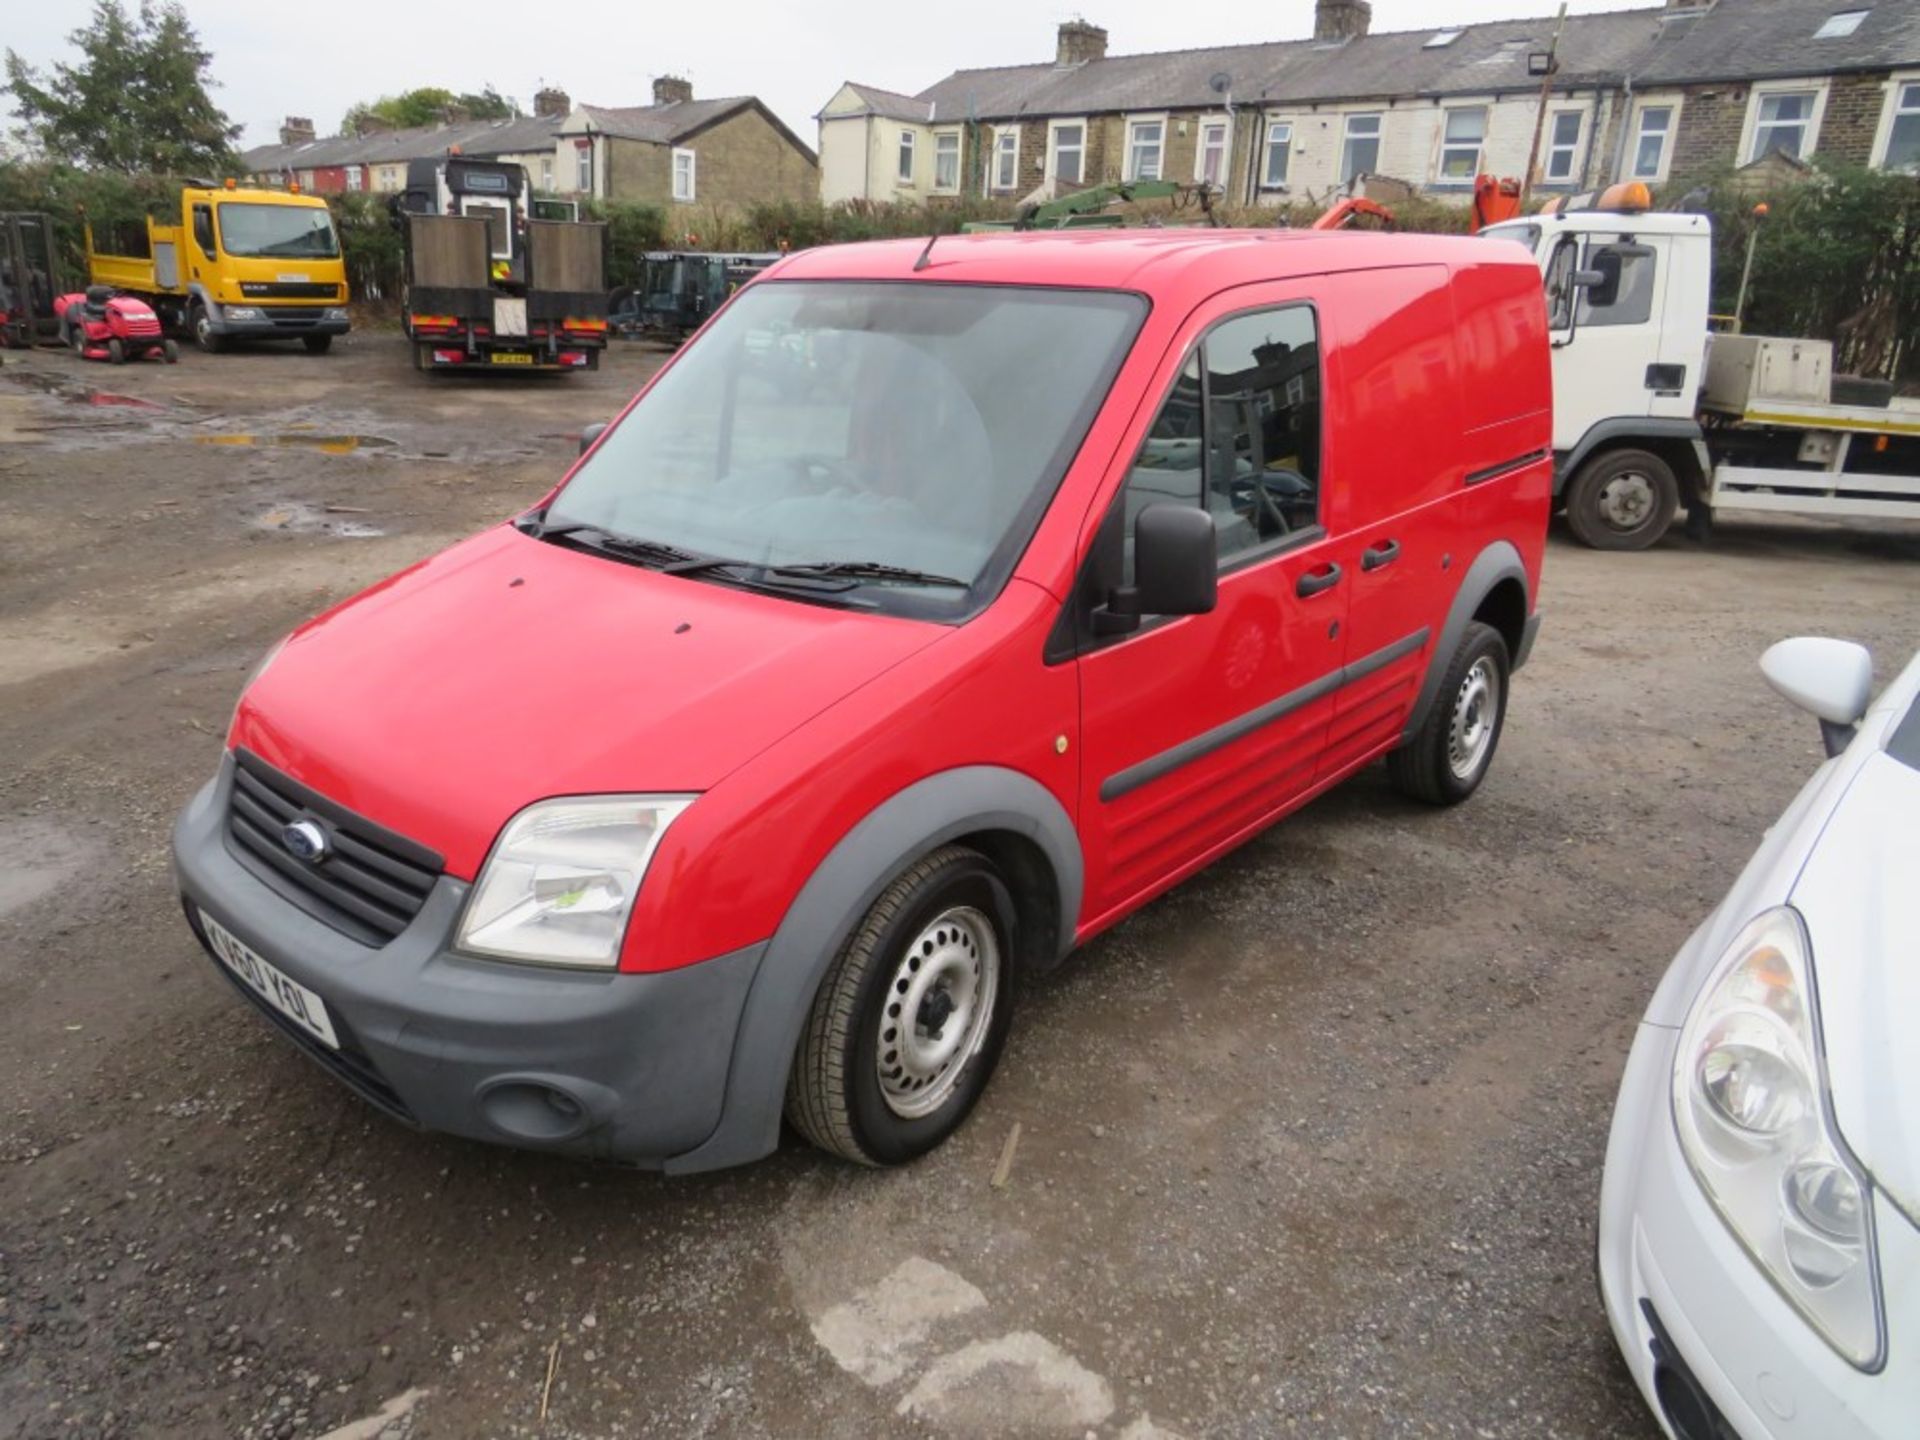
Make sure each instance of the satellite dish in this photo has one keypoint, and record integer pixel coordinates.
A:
(1220, 82)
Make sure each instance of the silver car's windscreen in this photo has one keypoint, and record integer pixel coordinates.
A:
(922, 426)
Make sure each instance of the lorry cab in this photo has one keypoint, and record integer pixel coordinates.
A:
(938, 606)
(1628, 292)
(232, 263)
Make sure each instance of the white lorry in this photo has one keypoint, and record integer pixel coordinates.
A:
(1652, 412)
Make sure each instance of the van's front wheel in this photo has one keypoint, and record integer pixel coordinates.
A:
(910, 1020)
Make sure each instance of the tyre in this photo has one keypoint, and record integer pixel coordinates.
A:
(116, 352)
(317, 344)
(420, 360)
(170, 352)
(77, 338)
(1449, 755)
(1622, 500)
(201, 323)
(912, 1015)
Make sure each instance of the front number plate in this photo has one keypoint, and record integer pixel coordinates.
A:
(288, 996)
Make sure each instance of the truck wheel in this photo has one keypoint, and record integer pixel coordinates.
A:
(1623, 500)
(910, 1020)
(201, 323)
(1449, 755)
(317, 344)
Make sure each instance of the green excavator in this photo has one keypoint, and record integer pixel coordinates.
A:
(1090, 209)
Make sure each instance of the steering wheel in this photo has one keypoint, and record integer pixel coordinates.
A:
(820, 474)
(1269, 519)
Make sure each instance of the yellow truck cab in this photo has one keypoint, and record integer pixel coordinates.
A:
(231, 263)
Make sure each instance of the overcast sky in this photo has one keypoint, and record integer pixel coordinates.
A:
(273, 60)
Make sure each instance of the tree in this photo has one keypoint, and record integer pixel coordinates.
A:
(429, 105)
(137, 101)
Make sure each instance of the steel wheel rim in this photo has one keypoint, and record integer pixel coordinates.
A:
(1476, 709)
(1626, 500)
(938, 1008)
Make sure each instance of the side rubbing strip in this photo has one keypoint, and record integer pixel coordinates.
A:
(1506, 467)
(1154, 766)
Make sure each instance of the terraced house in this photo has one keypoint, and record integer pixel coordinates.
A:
(1661, 94)
(678, 151)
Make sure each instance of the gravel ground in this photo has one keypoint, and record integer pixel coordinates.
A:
(1310, 1146)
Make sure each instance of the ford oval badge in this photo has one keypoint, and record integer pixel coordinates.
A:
(305, 840)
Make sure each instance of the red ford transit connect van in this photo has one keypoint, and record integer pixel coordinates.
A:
(926, 615)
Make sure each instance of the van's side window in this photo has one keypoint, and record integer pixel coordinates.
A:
(1263, 428)
(1624, 295)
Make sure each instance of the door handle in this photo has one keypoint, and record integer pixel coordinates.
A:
(1314, 581)
(1375, 556)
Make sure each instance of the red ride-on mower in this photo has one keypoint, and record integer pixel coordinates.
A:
(101, 325)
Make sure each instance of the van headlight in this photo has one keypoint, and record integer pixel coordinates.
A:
(1749, 1101)
(561, 881)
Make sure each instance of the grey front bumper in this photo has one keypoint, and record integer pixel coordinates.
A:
(478, 1048)
(284, 324)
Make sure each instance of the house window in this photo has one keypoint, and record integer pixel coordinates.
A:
(1650, 145)
(546, 173)
(946, 160)
(1069, 146)
(1145, 140)
(354, 180)
(1563, 147)
(583, 166)
(1210, 164)
(1360, 155)
(1903, 139)
(904, 168)
(1006, 159)
(1840, 24)
(1466, 132)
(683, 176)
(1273, 172)
(1784, 122)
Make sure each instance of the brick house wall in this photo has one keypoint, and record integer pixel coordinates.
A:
(738, 162)
(1852, 120)
(1711, 121)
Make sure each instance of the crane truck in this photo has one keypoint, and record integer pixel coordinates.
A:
(1652, 411)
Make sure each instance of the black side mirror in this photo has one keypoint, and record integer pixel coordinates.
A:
(591, 434)
(1175, 569)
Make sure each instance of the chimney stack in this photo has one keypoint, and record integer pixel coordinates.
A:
(298, 130)
(552, 104)
(1080, 42)
(1336, 20)
(671, 90)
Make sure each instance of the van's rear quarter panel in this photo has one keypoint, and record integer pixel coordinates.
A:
(1506, 406)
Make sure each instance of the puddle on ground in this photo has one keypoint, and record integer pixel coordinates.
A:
(297, 517)
(325, 444)
(75, 393)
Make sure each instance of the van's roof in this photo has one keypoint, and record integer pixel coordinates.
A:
(1142, 259)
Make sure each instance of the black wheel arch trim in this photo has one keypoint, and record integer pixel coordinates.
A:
(1603, 434)
(1499, 562)
(924, 816)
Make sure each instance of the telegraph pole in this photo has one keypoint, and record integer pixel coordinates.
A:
(1540, 119)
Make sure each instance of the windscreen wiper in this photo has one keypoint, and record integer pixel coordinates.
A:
(757, 573)
(628, 546)
(871, 570)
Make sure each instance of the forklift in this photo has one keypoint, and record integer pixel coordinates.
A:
(30, 281)
(679, 289)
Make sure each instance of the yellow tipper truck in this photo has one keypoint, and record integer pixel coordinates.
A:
(232, 263)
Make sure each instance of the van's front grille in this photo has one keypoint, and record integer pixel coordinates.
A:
(368, 884)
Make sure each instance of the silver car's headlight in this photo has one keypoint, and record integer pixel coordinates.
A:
(1750, 1103)
(561, 881)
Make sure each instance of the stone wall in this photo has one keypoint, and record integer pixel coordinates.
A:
(1854, 107)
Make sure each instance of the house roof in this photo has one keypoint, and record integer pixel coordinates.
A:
(683, 119)
(887, 104)
(663, 124)
(474, 137)
(1729, 39)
